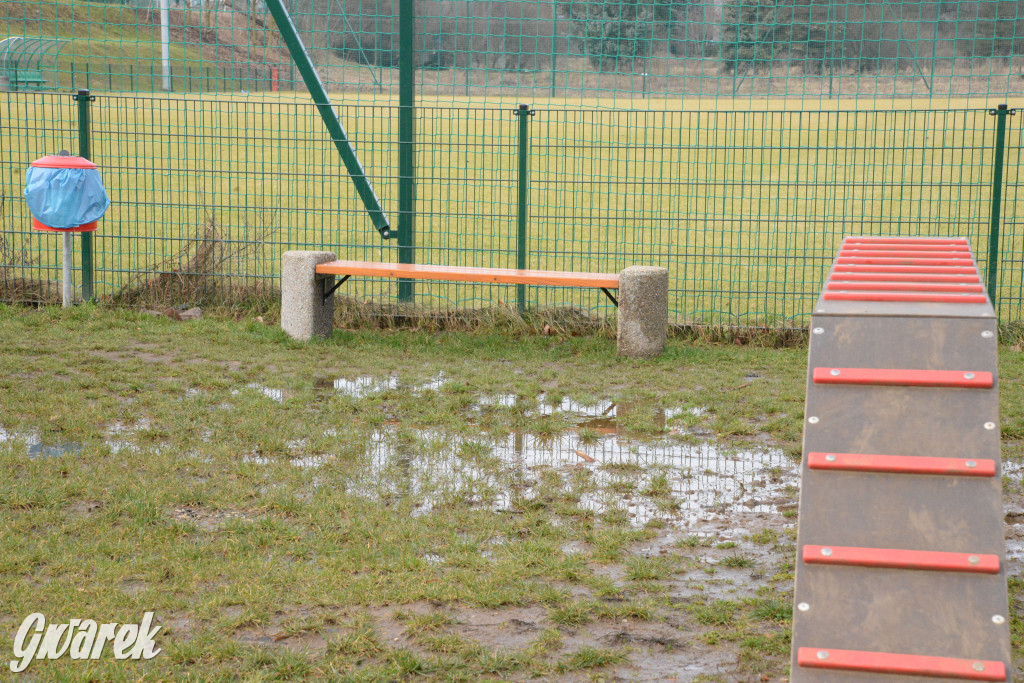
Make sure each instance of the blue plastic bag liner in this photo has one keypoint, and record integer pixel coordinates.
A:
(65, 198)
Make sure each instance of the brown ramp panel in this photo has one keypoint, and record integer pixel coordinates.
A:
(900, 569)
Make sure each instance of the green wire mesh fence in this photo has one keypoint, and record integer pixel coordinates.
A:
(745, 209)
(733, 142)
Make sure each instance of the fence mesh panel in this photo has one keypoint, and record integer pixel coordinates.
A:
(745, 209)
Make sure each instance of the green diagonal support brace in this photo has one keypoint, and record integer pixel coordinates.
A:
(323, 103)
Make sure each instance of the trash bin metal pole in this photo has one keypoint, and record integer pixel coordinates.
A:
(67, 285)
(165, 43)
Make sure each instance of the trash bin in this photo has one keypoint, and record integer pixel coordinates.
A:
(65, 194)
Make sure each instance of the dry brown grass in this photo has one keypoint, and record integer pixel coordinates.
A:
(207, 270)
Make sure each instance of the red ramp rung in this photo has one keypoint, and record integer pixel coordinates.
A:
(901, 464)
(903, 287)
(844, 259)
(932, 270)
(901, 277)
(907, 297)
(894, 558)
(965, 379)
(909, 665)
(902, 255)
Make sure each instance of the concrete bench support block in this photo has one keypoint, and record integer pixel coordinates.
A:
(643, 311)
(304, 313)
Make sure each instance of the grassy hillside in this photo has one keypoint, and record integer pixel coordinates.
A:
(118, 48)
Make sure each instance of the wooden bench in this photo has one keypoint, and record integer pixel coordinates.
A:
(307, 288)
(505, 276)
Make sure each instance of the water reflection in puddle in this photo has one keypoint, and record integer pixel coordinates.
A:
(273, 394)
(38, 449)
(503, 400)
(680, 483)
(366, 385)
(42, 450)
(1014, 515)
(360, 387)
(567, 405)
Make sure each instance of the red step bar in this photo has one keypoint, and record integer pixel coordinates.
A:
(962, 379)
(892, 663)
(932, 270)
(901, 464)
(906, 297)
(893, 558)
(851, 252)
(897, 276)
(903, 287)
(846, 259)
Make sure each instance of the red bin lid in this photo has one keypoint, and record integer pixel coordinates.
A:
(59, 161)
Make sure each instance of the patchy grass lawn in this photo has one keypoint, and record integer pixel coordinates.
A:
(391, 505)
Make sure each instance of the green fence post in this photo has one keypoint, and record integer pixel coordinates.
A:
(1000, 112)
(406, 142)
(83, 98)
(522, 215)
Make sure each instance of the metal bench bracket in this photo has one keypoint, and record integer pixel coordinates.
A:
(328, 292)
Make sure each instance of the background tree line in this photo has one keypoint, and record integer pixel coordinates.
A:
(622, 35)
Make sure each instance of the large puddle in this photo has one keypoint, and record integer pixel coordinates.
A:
(680, 483)
(591, 467)
(598, 468)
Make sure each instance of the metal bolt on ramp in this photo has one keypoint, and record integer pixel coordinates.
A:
(901, 572)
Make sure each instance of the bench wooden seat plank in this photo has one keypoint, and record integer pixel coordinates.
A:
(417, 271)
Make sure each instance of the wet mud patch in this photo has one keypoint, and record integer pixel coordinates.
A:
(83, 508)
(510, 627)
(211, 520)
(279, 637)
(665, 647)
(136, 353)
(658, 652)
